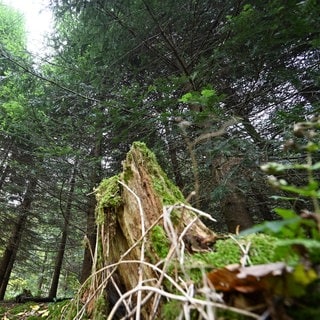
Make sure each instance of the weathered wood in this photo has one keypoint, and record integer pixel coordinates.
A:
(129, 205)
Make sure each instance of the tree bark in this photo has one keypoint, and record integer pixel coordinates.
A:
(63, 241)
(90, 240)
(172, 150)
(42, 273)
(236, 211)
(91, 232)
(12, 248)
(5, 168)
(234, 207)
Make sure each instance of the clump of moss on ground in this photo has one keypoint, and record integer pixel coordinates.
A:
(262, 248)
(171, 310)
(228, 251)
(225, 252)
(61, 310)
(66, 310)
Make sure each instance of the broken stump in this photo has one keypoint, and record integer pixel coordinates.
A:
(134, 209)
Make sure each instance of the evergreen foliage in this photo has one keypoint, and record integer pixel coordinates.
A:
(212, 87)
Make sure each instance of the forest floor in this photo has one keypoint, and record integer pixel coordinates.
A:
(10, 310)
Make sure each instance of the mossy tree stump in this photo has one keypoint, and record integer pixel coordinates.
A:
(129, 207)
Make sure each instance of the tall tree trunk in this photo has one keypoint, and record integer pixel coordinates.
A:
(42, 277)
(174, 159)
(91, 232)
(90, 240)
(5, 168)
(235, 210)
(4, 175)
(234, 207)
(263, 207)
(12, 248)
(59, 259)
(7, 274)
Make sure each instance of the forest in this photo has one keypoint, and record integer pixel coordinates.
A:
(224, 94)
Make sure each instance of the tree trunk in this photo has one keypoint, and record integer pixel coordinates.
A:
(129, 206)
(90, 240)
(42, 273)
(235, 211)
(91, 232)
(172, 150)
(63, 241)
(6, 277)
(5, 168)
(11, 250)
(234, 207)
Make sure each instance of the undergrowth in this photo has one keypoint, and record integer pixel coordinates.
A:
(286, 254)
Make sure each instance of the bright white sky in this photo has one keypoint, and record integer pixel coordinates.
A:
(38, 21)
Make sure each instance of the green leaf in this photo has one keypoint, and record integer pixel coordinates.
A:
(285, 213)
(282, 228)
(308, 191)
(186, 97)
(208, 93)
(283, 198)
(273, 168)
(316, 166)
(312, 147)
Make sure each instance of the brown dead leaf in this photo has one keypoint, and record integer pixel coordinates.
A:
(245, 279)
(262, 270)
(227, 280)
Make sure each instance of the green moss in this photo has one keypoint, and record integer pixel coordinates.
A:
(22, 308)
(226, 252)
(165, 188)
(170, 194)
(108, 193)
(171, 310)
(176, 217)
(58, 308)
(100, 308)
(67, 309)
(262, 248)
(160, 242)
(227, 314)
(195, 269)
(13, 310)
(145, 151)
(108, 196)
(127, 174)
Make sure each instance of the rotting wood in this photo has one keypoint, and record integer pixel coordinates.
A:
(129, 206)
